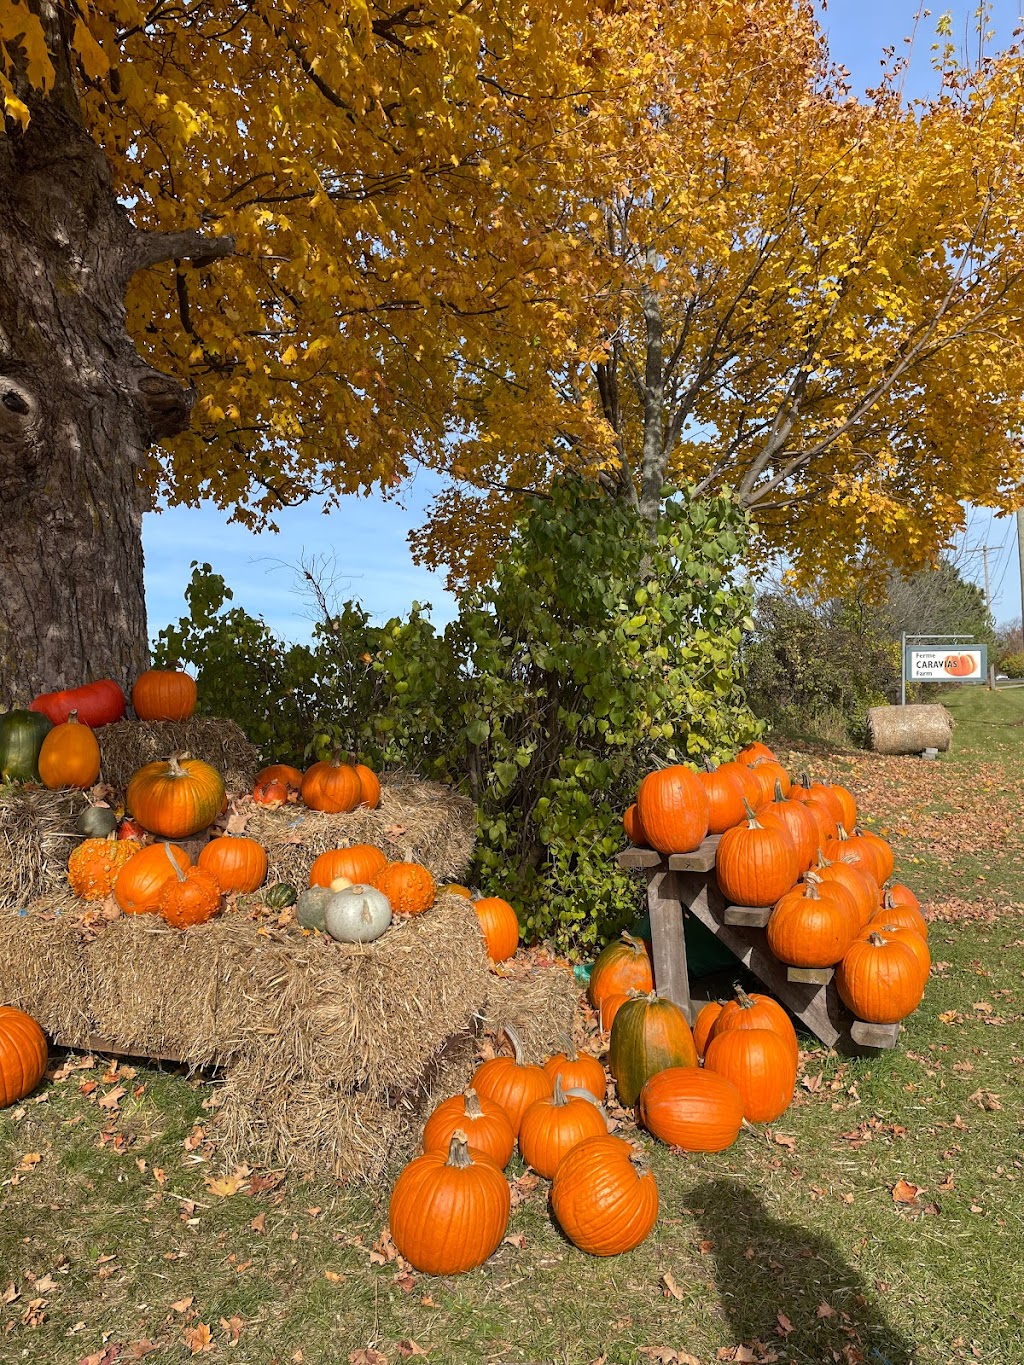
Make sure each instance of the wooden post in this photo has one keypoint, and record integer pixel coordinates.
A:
(668, 945)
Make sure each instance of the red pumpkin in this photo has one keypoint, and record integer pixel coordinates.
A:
(97, 703)
(270, 795)
(697, 1110)
(760, 1066)
(755, 864)
(673, 809)
(604, 1196)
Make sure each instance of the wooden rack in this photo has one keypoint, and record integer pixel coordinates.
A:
(685, 883)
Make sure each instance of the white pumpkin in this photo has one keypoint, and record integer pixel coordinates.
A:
(357, 914)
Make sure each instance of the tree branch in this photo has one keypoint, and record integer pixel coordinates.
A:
(150, 248)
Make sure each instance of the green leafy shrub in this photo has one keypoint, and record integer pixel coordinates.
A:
(1012, 665)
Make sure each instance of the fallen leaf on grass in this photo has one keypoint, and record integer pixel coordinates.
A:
(367, 1356)
(198, 1339)
(985, 1099)
(903, 1192)
(259, 1223)
(112, 1098)
(333, 1276)
(515, 1239)
(183, 1305)
(408, 1347)
(669, 1287)
(233, 1328)
(825, 1310)
(784, 1140)
(783, 1325)
(29, 1160)
(226, 1185)
(45, 1284)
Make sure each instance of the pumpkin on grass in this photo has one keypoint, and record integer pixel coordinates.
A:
(236, 863)
(69, 755)
(500, 926)
(648, 1035)
(622, 966)
(449, 1210)
(176, 797)
(692, 1108)
(23, 1055)
(408, 886)
(756, 1011)
(139, 883)
(487, 1127)
(164, 694)
(511, 1082)
(604, 1195)
(760, 1065)
(555, 1124)
(95, 865)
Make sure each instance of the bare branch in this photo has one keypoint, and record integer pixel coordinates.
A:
(150, 248)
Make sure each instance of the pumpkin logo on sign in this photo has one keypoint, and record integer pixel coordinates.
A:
(959, 665)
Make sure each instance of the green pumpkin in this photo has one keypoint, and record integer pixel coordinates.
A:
(96, 822)
(279, 896)
(21, 737)
(648, 1036)
(311, 905)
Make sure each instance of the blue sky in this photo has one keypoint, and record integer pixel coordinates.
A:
(364, 540)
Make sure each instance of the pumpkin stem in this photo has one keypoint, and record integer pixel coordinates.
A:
(174, 862)
(709, 766)
(72, 718)
(558, 1097)
(515, 1040)
(568, 1047)
(742, 998)
(822, 860)
(778, 791)
(636, 944)
(578, 1092)
(751, 817)
(805, 781)
(174, 768)
(842, 833)
(473, 1109)
(888, 902)
(876, 940)
(458, 1151)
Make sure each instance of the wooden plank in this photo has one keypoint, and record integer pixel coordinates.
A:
(874, 1035)
(756, 916)
(668, 946)
(700, 860)
(94, 1043)
(816, 1005)
(813, 976)
(640, 857)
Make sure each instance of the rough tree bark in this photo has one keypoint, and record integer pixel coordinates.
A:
(79, 407)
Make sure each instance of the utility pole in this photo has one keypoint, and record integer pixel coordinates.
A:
(988, 586)
(1020, 555)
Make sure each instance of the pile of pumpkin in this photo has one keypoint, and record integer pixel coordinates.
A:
(785, 845)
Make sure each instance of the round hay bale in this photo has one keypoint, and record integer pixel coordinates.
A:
(909, 729)
(126, 746)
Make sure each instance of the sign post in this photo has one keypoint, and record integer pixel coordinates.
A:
(944, 658)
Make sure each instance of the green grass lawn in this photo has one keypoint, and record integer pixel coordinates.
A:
(120, 1238)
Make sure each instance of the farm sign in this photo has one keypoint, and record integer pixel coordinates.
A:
(956, 664)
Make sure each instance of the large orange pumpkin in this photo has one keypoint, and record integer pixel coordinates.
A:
(798, 820)
(755, 1011)
(23, 1055)
(556, 1123)
(673, 809)
(917, 945)
(369, 786)
(809, 930)
(176, 797)
(604, 1196)
(622, 966)
(760, 1066)
(500, 926)
(69, 755)
(512, 1083)
(487, 1127)
(725, 795)
(692, 1108)
(755, 864)
(164, 694)
(879, 980)
(360, 864)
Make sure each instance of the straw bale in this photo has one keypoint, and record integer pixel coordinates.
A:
(43, 968)
(128, 744)
(424, 822)
(37, 832)
(541, 1007)
(909, 729)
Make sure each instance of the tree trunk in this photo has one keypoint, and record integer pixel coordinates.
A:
(79, 407)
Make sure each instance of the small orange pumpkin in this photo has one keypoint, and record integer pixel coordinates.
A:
(487, 1127)
(235, 863)
(332, 787)
(139, 883)
(69, 756)
(164, 694)
(360, 863)
(554, 1125)
(408, 886)
(500, 926)
(95, 865)
(189, 897)
(510, 1082)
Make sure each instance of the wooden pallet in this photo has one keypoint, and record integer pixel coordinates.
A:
(684, 883)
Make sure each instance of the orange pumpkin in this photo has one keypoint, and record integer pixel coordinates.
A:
(635, 832)
(725, 795)
(905, 915)
(879, 979)
(910, 937)
(898, 894)
(510, 1082)
(164, 694)
(500, 926)
(798, 820)
(752, 752)
(769, 773)
(23, 1055)
(69, 756)
(270, 795)
(609, 1008)
(139, 883)
(756, 1011)
(692, 1108)
(289, 777)
(487, 1127)
(578, 1070)
(622, 966)
(554, 1125)
(360, 863)
(235, 863)
(176, 797)
(755, 864)
(189, 897)
(369, 786)
(408, 886)
(332, 787)
(760, 1066)
(703, 1025)
(673, 809)
(95, 865)
(809, 930)
(604, 1195)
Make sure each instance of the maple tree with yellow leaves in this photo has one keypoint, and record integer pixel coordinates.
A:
(251, 251)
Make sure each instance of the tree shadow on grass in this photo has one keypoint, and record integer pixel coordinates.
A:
(767, 1268)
